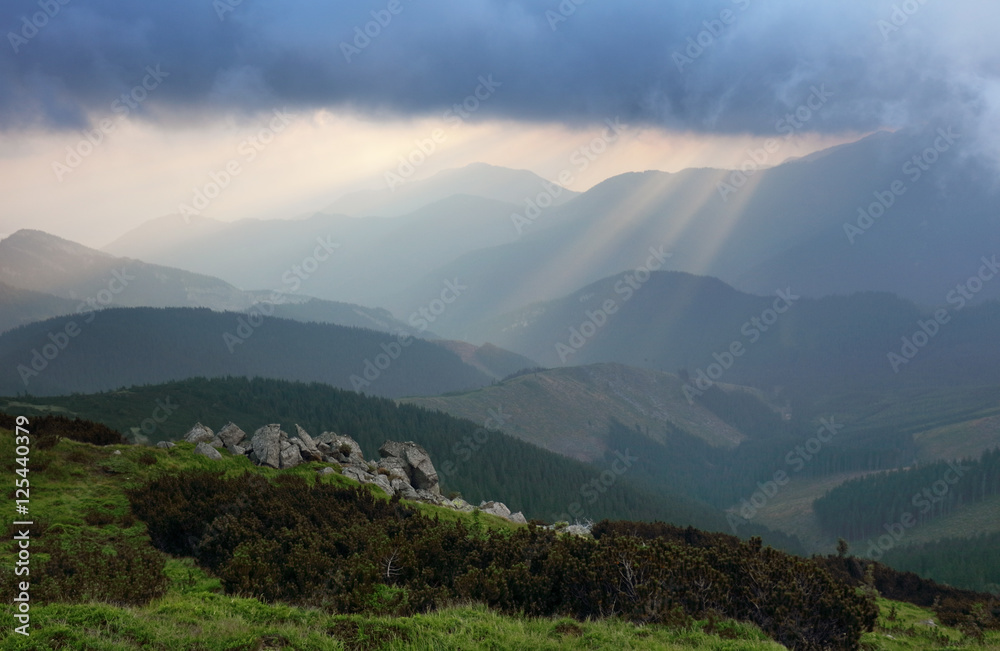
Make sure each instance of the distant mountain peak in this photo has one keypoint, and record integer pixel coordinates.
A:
(478, 179)
(42, 242)
(167, 230)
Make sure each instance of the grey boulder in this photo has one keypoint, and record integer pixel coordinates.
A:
(199, 434)
(231, 435)
(419, 468)
(266, 445)
(308, 446)
(207, 450)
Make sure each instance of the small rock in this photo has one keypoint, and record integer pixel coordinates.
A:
(397, 468)
(498, 509)
(382, 482)
(117, 452)
(323, 472)
(207, 450)
(166, 445)
(291, 457)
(430, 498)
(231, 435)
(404, 489)
(335, 442)
(309, 450)
(199, 434)
(518, 518)
(358, 474)
(461, 505)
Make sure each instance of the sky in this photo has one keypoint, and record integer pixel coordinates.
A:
(114, 112)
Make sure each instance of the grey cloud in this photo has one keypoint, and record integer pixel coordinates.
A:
(608, 57)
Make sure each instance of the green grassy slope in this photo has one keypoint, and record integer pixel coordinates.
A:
(79, 489)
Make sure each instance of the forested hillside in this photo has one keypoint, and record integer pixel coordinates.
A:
(471, 457)
(115, 348)
(972, 563)
(901, 499)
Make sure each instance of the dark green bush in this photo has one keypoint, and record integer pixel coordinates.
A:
(88, 566)
(345, 550)
(98, 518)
(46, 430)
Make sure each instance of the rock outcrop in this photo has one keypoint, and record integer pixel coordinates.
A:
(343, 449)
(412, 460)
(405, 468)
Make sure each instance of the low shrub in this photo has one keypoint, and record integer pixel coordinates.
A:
(347, 551)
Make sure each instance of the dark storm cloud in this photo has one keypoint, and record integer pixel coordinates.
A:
(640, 60)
